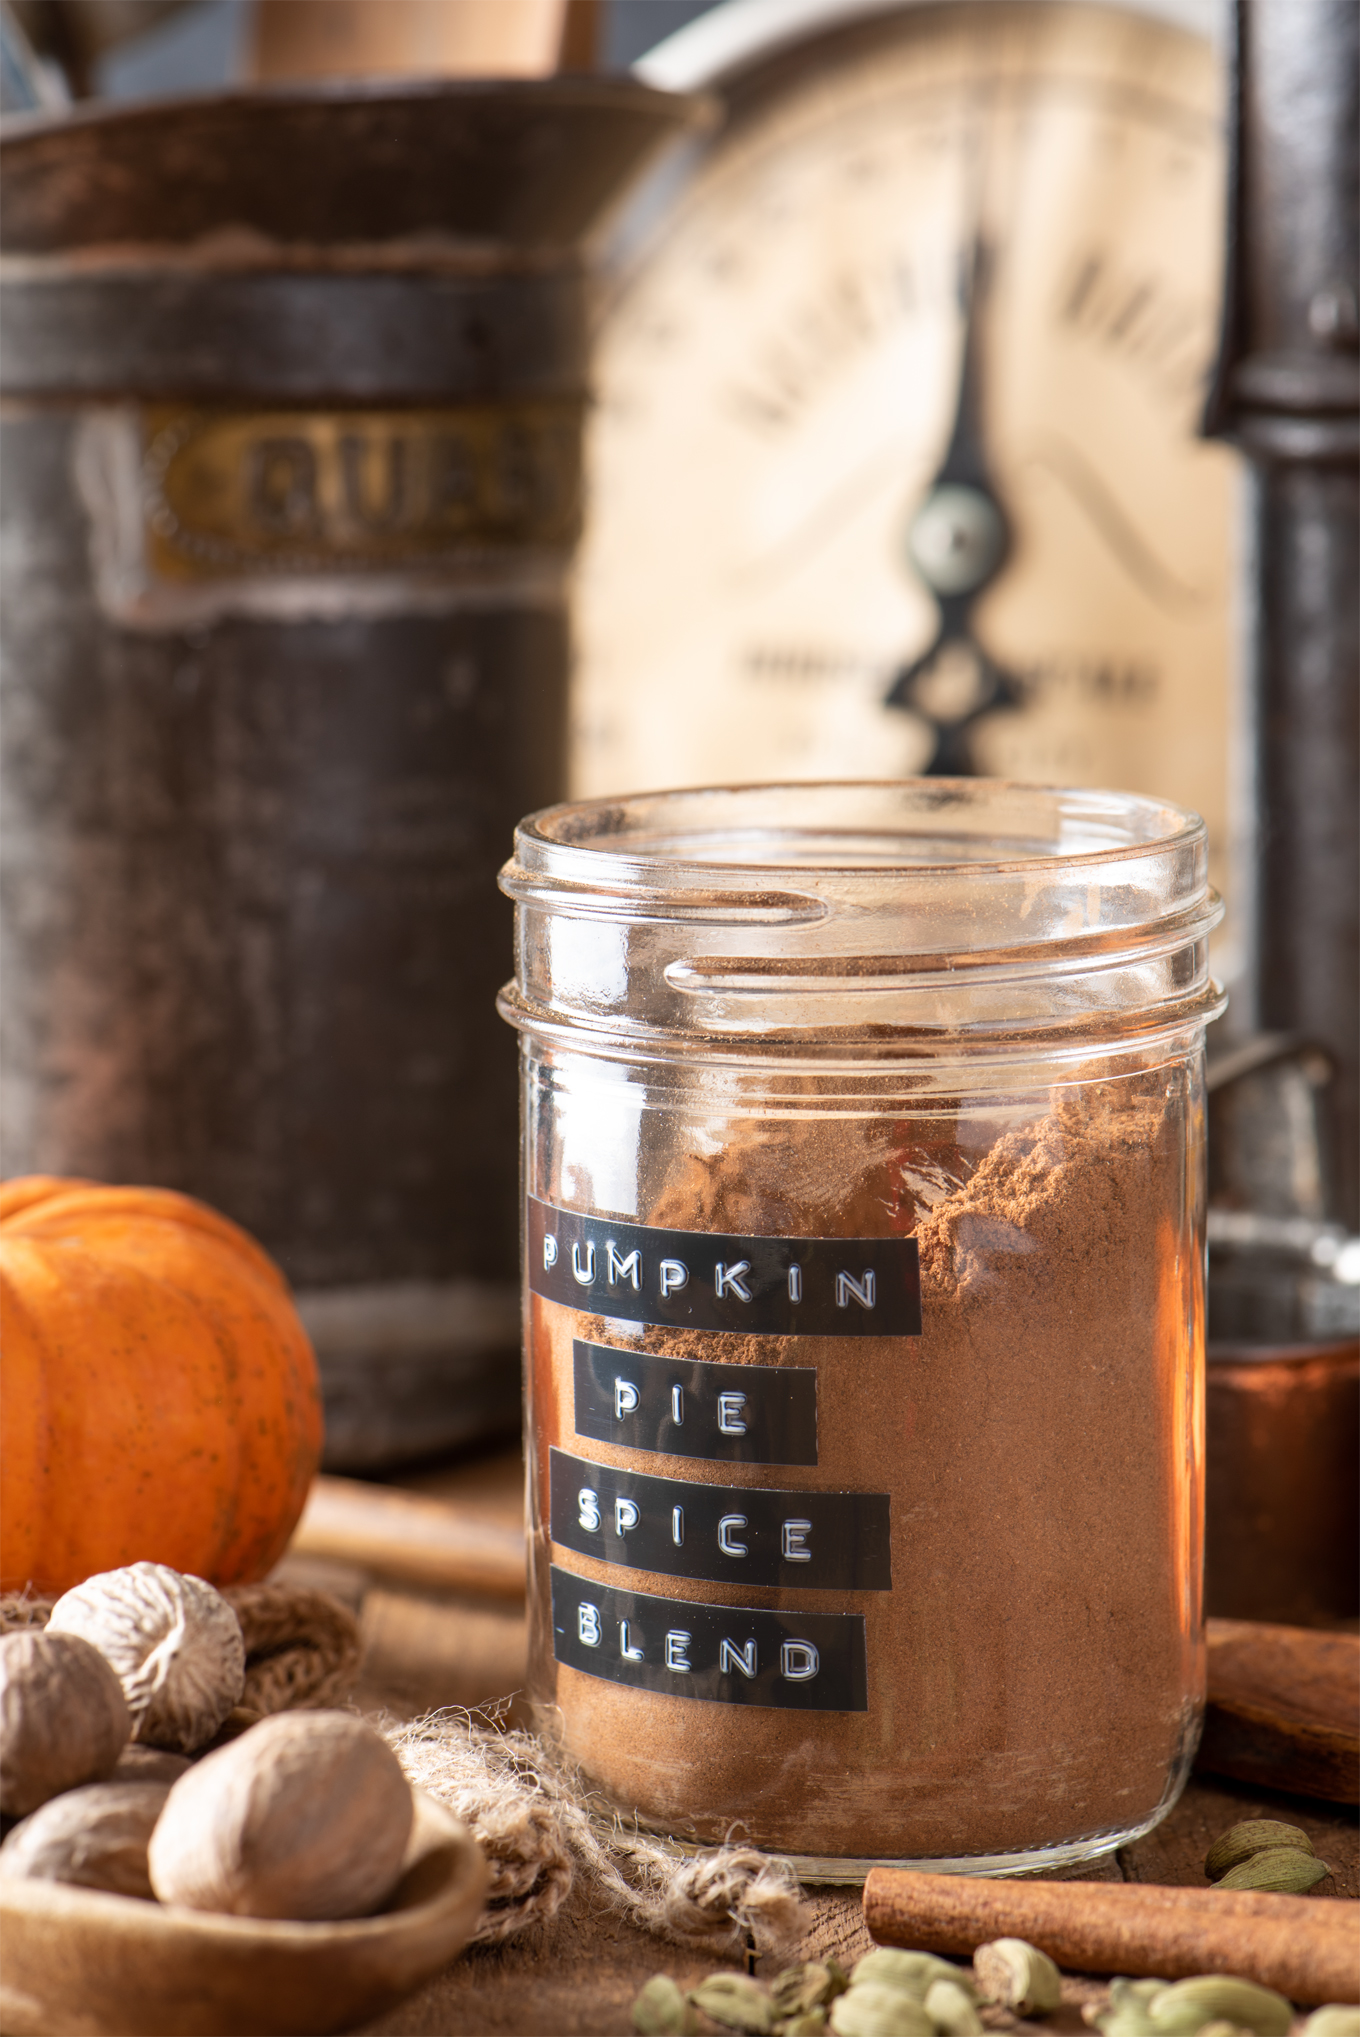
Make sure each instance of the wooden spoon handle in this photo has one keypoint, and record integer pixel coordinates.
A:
(430, 1543)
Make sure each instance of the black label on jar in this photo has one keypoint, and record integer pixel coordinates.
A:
(691, 1407)
(711, 1280)
(729, 1655)
(729, 1534)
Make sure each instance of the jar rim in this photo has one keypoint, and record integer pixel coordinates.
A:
(657, 830)
(961, 908)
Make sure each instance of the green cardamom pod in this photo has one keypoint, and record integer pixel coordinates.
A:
(1126, 2013)
(1130, 2021)
(1220, 2028)
(662, 2011)
(736, 2001)
(1127, 1993)
(810, 1986)
(1186, 2006)
(913, 1972)
(952, 2010)
(1018, 1976)
(1283, 1869)
(872, 2009)
(1336, 2019)
(1134, 2019)
(1253, 1835)
(808, 2023)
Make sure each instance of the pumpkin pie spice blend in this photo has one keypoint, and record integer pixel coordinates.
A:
(1040, 1445)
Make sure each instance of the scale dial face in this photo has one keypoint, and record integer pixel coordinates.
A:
(778, 386)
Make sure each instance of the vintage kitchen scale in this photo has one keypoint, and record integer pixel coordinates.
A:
(898, 464)
(895, 463)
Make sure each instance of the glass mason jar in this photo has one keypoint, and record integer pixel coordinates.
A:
(863, 1246)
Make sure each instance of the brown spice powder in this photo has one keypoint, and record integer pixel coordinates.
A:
(1034, 1672)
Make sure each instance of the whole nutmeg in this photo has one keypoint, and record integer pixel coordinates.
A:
(94, 1837)
(149, 1764)
(307, 1815)
(63, 1717)
(174, 1641)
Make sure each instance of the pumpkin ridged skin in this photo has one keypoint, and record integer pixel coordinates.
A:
(159, 1399)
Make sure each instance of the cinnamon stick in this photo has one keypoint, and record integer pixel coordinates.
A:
(427, 1542)
(1307, 1949)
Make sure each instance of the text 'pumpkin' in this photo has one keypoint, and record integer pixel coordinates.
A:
(159, 1398)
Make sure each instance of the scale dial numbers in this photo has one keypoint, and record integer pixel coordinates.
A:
(778, 378)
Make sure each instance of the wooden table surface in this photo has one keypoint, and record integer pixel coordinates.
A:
(582, 1972)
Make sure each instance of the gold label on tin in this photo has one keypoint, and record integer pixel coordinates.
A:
(229, 491)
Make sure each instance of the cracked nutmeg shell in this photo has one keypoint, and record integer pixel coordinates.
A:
(306, 1815)
(174, 1641)
(801, 1989)
(63, 1717)
(1018, 1976)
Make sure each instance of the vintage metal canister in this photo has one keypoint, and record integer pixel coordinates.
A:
(863, 1135)
(293, 393)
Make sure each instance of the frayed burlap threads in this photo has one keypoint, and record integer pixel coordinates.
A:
(303, 1649)
(723, 1898)
(540, 1830)
(21, 1610)
(501, 1789)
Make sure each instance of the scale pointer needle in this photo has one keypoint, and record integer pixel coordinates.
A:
(958, 542)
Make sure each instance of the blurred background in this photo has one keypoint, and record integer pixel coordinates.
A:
(761, 389)
(138, 49)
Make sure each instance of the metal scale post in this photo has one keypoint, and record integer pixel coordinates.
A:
(1284, 1288)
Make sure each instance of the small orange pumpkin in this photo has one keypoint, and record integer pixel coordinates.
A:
(159, 1397)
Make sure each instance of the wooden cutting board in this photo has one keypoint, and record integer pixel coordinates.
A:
(1284, 1708)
